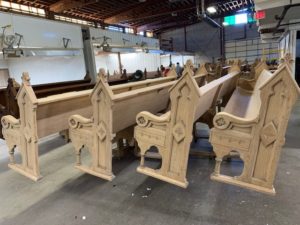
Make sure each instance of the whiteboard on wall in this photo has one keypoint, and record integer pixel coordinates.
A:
(107, 61)
(48, 69)
(177, 58)
(139, 61)
(165, 60)
(42, 33)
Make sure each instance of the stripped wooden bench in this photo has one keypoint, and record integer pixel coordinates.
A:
(113, 112)
(253, 124)
(171, 133)
(40, 117)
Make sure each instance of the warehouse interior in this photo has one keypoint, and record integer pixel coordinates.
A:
(149, 112)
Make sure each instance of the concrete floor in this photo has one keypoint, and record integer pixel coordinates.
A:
(67, 196)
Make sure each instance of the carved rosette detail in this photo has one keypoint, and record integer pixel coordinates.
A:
(220, 122)
(179, 132)
(73, 122)
(141, 120)
(268, 134)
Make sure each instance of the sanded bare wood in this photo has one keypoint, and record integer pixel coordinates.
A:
(38, 118)
(145, 83)
(113, 112)
(171, 133)
(254, 123)
(9, 105)
(248, 84)
(224, 94)
(152, 74)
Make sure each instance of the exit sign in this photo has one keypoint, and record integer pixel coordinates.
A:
(261, 14)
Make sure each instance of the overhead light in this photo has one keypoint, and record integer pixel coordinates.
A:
(225, 24)
(211, 9)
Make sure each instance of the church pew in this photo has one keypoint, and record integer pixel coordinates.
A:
(9, 106)
(152, 74)
(224, 94)
(146, 83)
(171, 133)
(114, 112)
(249, 83)
(40, 117)
(253, 124)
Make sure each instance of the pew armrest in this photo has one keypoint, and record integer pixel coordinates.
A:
(146, 119)
(151, 130)
(10, 122)
(225, 120)
(77, 121)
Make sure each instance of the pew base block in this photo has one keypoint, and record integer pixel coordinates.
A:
(94, 173)
(20, 170)
(230, 180)
(151, 173)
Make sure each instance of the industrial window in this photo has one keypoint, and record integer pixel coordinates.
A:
(115, 28)
(149, 34)
(22, 8)
(129, 30)
(73, 20)
(141, 33)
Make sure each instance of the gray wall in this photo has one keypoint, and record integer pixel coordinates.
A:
(201, 38)
(241, 32)
(205, 40)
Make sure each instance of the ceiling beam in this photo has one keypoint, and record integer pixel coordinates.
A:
(162, 24)
(130, 13)
(64, 5)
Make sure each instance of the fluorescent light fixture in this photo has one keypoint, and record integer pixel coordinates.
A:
(241, 18)
(243, 10)
(211, 9)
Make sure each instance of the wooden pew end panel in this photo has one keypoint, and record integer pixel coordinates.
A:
(234, 181)
(151, 131)
(81, 134)
(14, 139)
(170, 133)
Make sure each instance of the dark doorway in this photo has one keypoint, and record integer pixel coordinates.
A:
(297, 72)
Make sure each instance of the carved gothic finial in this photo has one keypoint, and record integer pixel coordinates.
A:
(102, 75)
(189, 64)
(287, 59)
(26, 79)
